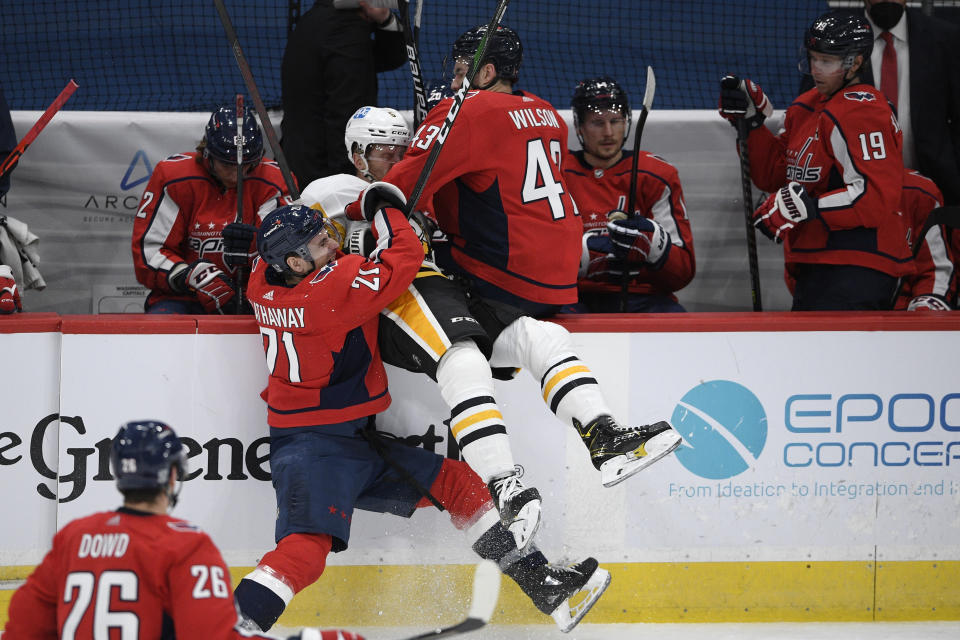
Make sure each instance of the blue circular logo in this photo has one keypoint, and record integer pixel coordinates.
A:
(724, 429)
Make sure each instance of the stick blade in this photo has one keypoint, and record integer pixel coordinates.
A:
(650, 89)
(486, 591)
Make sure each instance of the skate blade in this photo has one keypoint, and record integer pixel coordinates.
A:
(526, 524)
(568, 614)
(616, 470)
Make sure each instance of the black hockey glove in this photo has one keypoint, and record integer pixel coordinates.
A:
(238, 244)
(743, 99)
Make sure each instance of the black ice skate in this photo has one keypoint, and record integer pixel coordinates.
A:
(519, 507)
(565, 593)
(619, 452)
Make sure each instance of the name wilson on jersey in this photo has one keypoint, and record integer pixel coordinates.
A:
(284, 317)
(525, 118)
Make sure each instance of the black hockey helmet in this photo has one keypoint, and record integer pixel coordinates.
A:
(142, 454)
(287, 230)
(221, 136)
(599, 94)
(841, 33)
(504, 50)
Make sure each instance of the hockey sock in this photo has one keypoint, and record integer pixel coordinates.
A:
(461, 492)
(297, 562)
(566, 383)
(466, 385)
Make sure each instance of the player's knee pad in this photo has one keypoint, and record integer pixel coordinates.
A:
(461, 492)
(463, 373)
(532, 344)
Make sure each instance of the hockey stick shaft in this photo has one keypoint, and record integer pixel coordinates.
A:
(648, 94)
(744, 153)
(37, 127)
(241, 271)
(257, 101)
(458, 99)
(486, 591)
(410, 33)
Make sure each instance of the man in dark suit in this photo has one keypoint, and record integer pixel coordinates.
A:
(916, 63)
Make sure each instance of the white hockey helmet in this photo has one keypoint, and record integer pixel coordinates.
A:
(375, 125)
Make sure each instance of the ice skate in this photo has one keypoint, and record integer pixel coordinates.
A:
(619, 452)
(565, 593)
(519, 507)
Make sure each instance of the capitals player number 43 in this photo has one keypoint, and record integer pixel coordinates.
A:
(538, 182)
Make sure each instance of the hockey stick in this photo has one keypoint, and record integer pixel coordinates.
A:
(648, 93)
(411, 33)
(257, 101)
(454, 110)
(486, 591)
(241, 275)
(38, 126)
(948, 216)
(742, 133)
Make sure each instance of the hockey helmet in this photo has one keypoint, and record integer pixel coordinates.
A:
(142, 454)
(375, 125)
(221, 136)
(504, 50)
(287, 230)
(599, 94)
(839, 33)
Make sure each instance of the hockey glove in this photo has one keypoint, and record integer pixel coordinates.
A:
(326, 634)
(9, 295)
(743, 99)
(783, 210)
(928, 302)
(360, 240)
(375, 197)
(640, 239)
(213, 289)
(238, 244)
(598, 262)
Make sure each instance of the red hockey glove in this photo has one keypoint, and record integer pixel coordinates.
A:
(639, 239)
(326, 634)
(213, 289)
(375, 197)
(928, 302)
(783, 210)
(9, 295)
(743, 99)
(238, 246)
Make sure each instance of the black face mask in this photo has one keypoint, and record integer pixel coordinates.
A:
(886, 15)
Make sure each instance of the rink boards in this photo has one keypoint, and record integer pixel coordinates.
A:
(818, 479)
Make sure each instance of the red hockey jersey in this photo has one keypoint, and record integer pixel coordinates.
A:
(846, 151)
(933, 264)
(500, 194)
(320, 336)
(659, 197)
(126, 574)
(183, 211)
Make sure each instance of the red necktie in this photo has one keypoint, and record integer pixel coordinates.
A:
(888, 69)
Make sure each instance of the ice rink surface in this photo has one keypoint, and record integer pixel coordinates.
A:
(726, 631)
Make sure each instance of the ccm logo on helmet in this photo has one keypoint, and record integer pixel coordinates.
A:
(860, 96)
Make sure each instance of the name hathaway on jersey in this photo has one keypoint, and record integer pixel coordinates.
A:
(283, 317)
(523, 118)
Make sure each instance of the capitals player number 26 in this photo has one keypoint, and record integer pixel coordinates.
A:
(538, 181)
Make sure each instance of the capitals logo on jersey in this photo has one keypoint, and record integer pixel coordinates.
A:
(798, 166)
(859, 96)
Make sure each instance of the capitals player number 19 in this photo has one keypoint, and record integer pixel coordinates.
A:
(876, 151)
(538, 181)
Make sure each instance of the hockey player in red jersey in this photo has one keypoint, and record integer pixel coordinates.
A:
(498, 193)
(135, 572)
(835, 174)
(428, 328)
(928, 288)
(660, 256)
(318, 313)
(191, 198)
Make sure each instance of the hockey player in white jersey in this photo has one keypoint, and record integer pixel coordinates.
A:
(417, 333)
